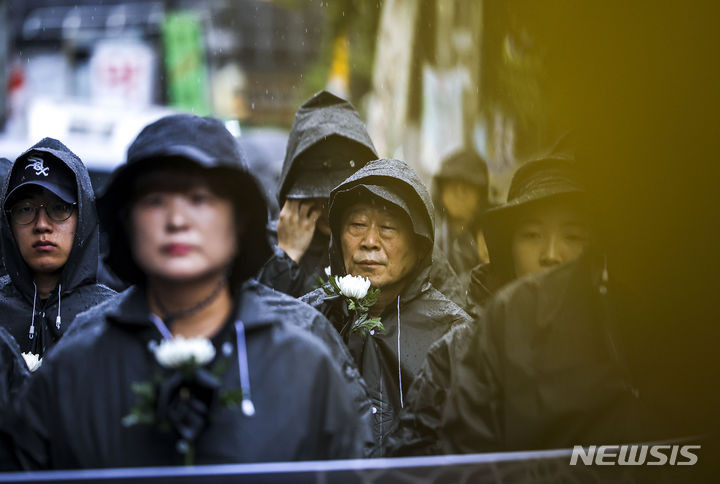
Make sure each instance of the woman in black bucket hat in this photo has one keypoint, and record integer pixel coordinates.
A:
(191, 364)
(543, 223)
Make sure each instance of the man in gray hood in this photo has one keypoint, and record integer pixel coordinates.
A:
(49, 236)
(328, 142)
(382, 228)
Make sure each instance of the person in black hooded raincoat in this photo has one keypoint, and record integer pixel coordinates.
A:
(195, 363)
(327, 143)
(541, 192)
(460, 195)
(38, 320)
(418, 314)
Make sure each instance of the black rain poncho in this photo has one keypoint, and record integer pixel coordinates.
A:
(324, 119)
(77, 290)
(544, 367)
(389, 362)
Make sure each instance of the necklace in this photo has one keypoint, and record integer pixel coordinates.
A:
(169, 316)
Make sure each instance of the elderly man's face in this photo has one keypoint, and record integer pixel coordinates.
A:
(378, 243)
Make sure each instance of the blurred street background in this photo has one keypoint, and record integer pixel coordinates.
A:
(92, 73)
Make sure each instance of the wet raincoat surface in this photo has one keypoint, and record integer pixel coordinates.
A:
(296, 403)
(77, 290)
(389, 362)
(13, 370)
(542, 368)
(72, 414)
(13, 374)
(322, 118)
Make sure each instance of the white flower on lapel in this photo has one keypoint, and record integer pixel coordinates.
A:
(180, 351)
(32, 361)
(353, 286)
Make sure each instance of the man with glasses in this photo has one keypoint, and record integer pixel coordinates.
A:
(49, 237)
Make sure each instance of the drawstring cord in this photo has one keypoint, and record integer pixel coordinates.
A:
(58, 320)
(161, 326)
(31, 335)
(248, 408)
(402, 404)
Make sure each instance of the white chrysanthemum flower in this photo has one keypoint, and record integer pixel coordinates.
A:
(32, 361)
(327, 271)
(180, 351)
(353, 286)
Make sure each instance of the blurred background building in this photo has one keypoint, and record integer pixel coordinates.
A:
(92, 73)
(428, 76)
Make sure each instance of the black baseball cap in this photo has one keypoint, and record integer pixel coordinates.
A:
(43, 170)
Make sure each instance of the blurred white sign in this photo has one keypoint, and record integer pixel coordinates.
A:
(442, 117)
(122, 73)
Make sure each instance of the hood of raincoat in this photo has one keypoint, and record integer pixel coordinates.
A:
(394, 182)
(5, 166)
(186, 141)
(552, 177)
(325, 118)
(81, 266)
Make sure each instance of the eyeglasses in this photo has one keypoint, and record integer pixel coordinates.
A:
(25, 213)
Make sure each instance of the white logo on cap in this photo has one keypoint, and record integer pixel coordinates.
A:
(38, 166)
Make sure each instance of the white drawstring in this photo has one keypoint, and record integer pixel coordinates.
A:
(58, 320)
(161, 326)
(402, 405)
(248, 408)
(31, 335)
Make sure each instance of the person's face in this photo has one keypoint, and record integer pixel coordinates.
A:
(182, 236)
(45, 241)
(460, 198)
(548, 234)
(378, 243)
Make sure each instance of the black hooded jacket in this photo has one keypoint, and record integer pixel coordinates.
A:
(323, 118)
(77, 289)
(71, 415)
(421, 315)
(544, 367)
